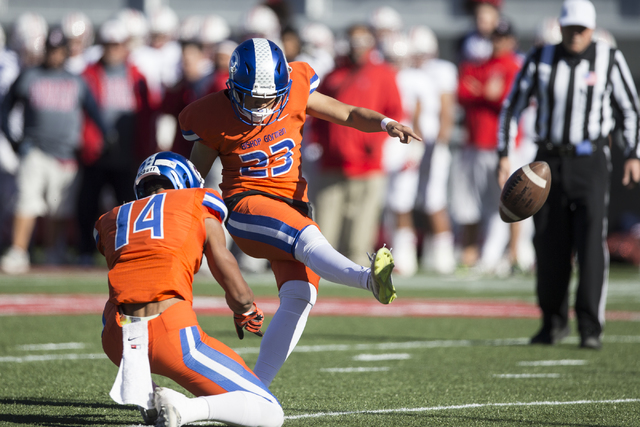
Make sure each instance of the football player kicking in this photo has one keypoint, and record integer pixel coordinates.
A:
(153, 247)
(255, 127)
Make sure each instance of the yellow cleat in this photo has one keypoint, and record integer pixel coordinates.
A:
(380, 281)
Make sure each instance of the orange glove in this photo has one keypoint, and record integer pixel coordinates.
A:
(251, 321)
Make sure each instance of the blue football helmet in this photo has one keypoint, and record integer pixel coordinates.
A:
(258, 69)
(177, 169)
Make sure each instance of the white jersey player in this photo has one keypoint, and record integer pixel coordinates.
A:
(402, 163)
(436, 124)
(159, 61)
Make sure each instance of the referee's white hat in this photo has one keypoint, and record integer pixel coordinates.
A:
(578, 12)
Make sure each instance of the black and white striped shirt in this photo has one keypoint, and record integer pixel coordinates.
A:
(575, 96)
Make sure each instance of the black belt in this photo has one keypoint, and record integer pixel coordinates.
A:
(585, 148)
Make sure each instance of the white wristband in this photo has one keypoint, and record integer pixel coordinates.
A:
(385, 122)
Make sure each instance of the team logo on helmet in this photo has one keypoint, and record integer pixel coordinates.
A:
(233, 64)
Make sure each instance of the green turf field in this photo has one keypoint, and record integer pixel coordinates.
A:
(352, 370)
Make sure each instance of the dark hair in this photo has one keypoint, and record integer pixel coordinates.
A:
(504, 29)
(154, 183)
(56, 39)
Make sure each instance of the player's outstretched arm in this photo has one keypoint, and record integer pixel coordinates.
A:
(225, 270)
(330, 109)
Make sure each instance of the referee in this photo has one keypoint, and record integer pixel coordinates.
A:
(576, 86)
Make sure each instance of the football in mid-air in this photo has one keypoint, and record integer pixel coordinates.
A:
(525, 192)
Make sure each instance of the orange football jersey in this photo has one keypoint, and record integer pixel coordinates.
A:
(154, 245)
(264, 158)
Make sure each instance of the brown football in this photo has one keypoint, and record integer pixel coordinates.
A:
(525, 192)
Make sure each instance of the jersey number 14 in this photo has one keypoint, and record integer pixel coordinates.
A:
(151, 218)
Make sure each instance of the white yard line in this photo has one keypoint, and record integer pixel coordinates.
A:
(378, 357)
(563, 362)
(518, 376)
(49, 357)
(623, 339)
(454, 407)
(52, 346)
(626, 339)
(355, 369)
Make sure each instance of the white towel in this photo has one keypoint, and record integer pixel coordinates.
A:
(133, 384)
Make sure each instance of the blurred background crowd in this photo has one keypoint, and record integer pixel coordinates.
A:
(94, 91)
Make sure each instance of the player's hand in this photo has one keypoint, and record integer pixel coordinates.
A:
(631, 174)
(404, 133)
(251, 321)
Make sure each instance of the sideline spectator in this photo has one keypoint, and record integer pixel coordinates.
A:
(28, 39)
(476, 46)
(9, 70)
(475, 195)
(402, 163)
(53, 102)
(317, 48)
(197, 81)
(78, 30)
(123, 96)
(159, 59)
(436, 123)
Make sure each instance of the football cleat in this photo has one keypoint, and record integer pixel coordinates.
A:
(168, 414)
(380, 282)
(149, 415)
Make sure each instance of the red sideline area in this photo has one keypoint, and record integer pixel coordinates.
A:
(47, 304)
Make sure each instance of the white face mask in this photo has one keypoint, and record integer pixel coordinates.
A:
(257, 115)
(260, 114)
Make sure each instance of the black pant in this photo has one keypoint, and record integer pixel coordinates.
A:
(574, 220)
(94, 178)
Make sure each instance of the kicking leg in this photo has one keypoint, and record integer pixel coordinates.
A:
(314, 251)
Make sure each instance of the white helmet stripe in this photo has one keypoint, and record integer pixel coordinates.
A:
(264, 84)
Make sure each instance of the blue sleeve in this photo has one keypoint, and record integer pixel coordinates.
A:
(314, 83)
(215, 205)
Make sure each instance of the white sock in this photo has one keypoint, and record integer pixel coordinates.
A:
(314, 251)
(405, 251)
(496, 242)
(284, 331)
(241, 408)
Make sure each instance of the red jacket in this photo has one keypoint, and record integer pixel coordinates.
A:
(481, 114)
(145, 135)
(348, 150)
